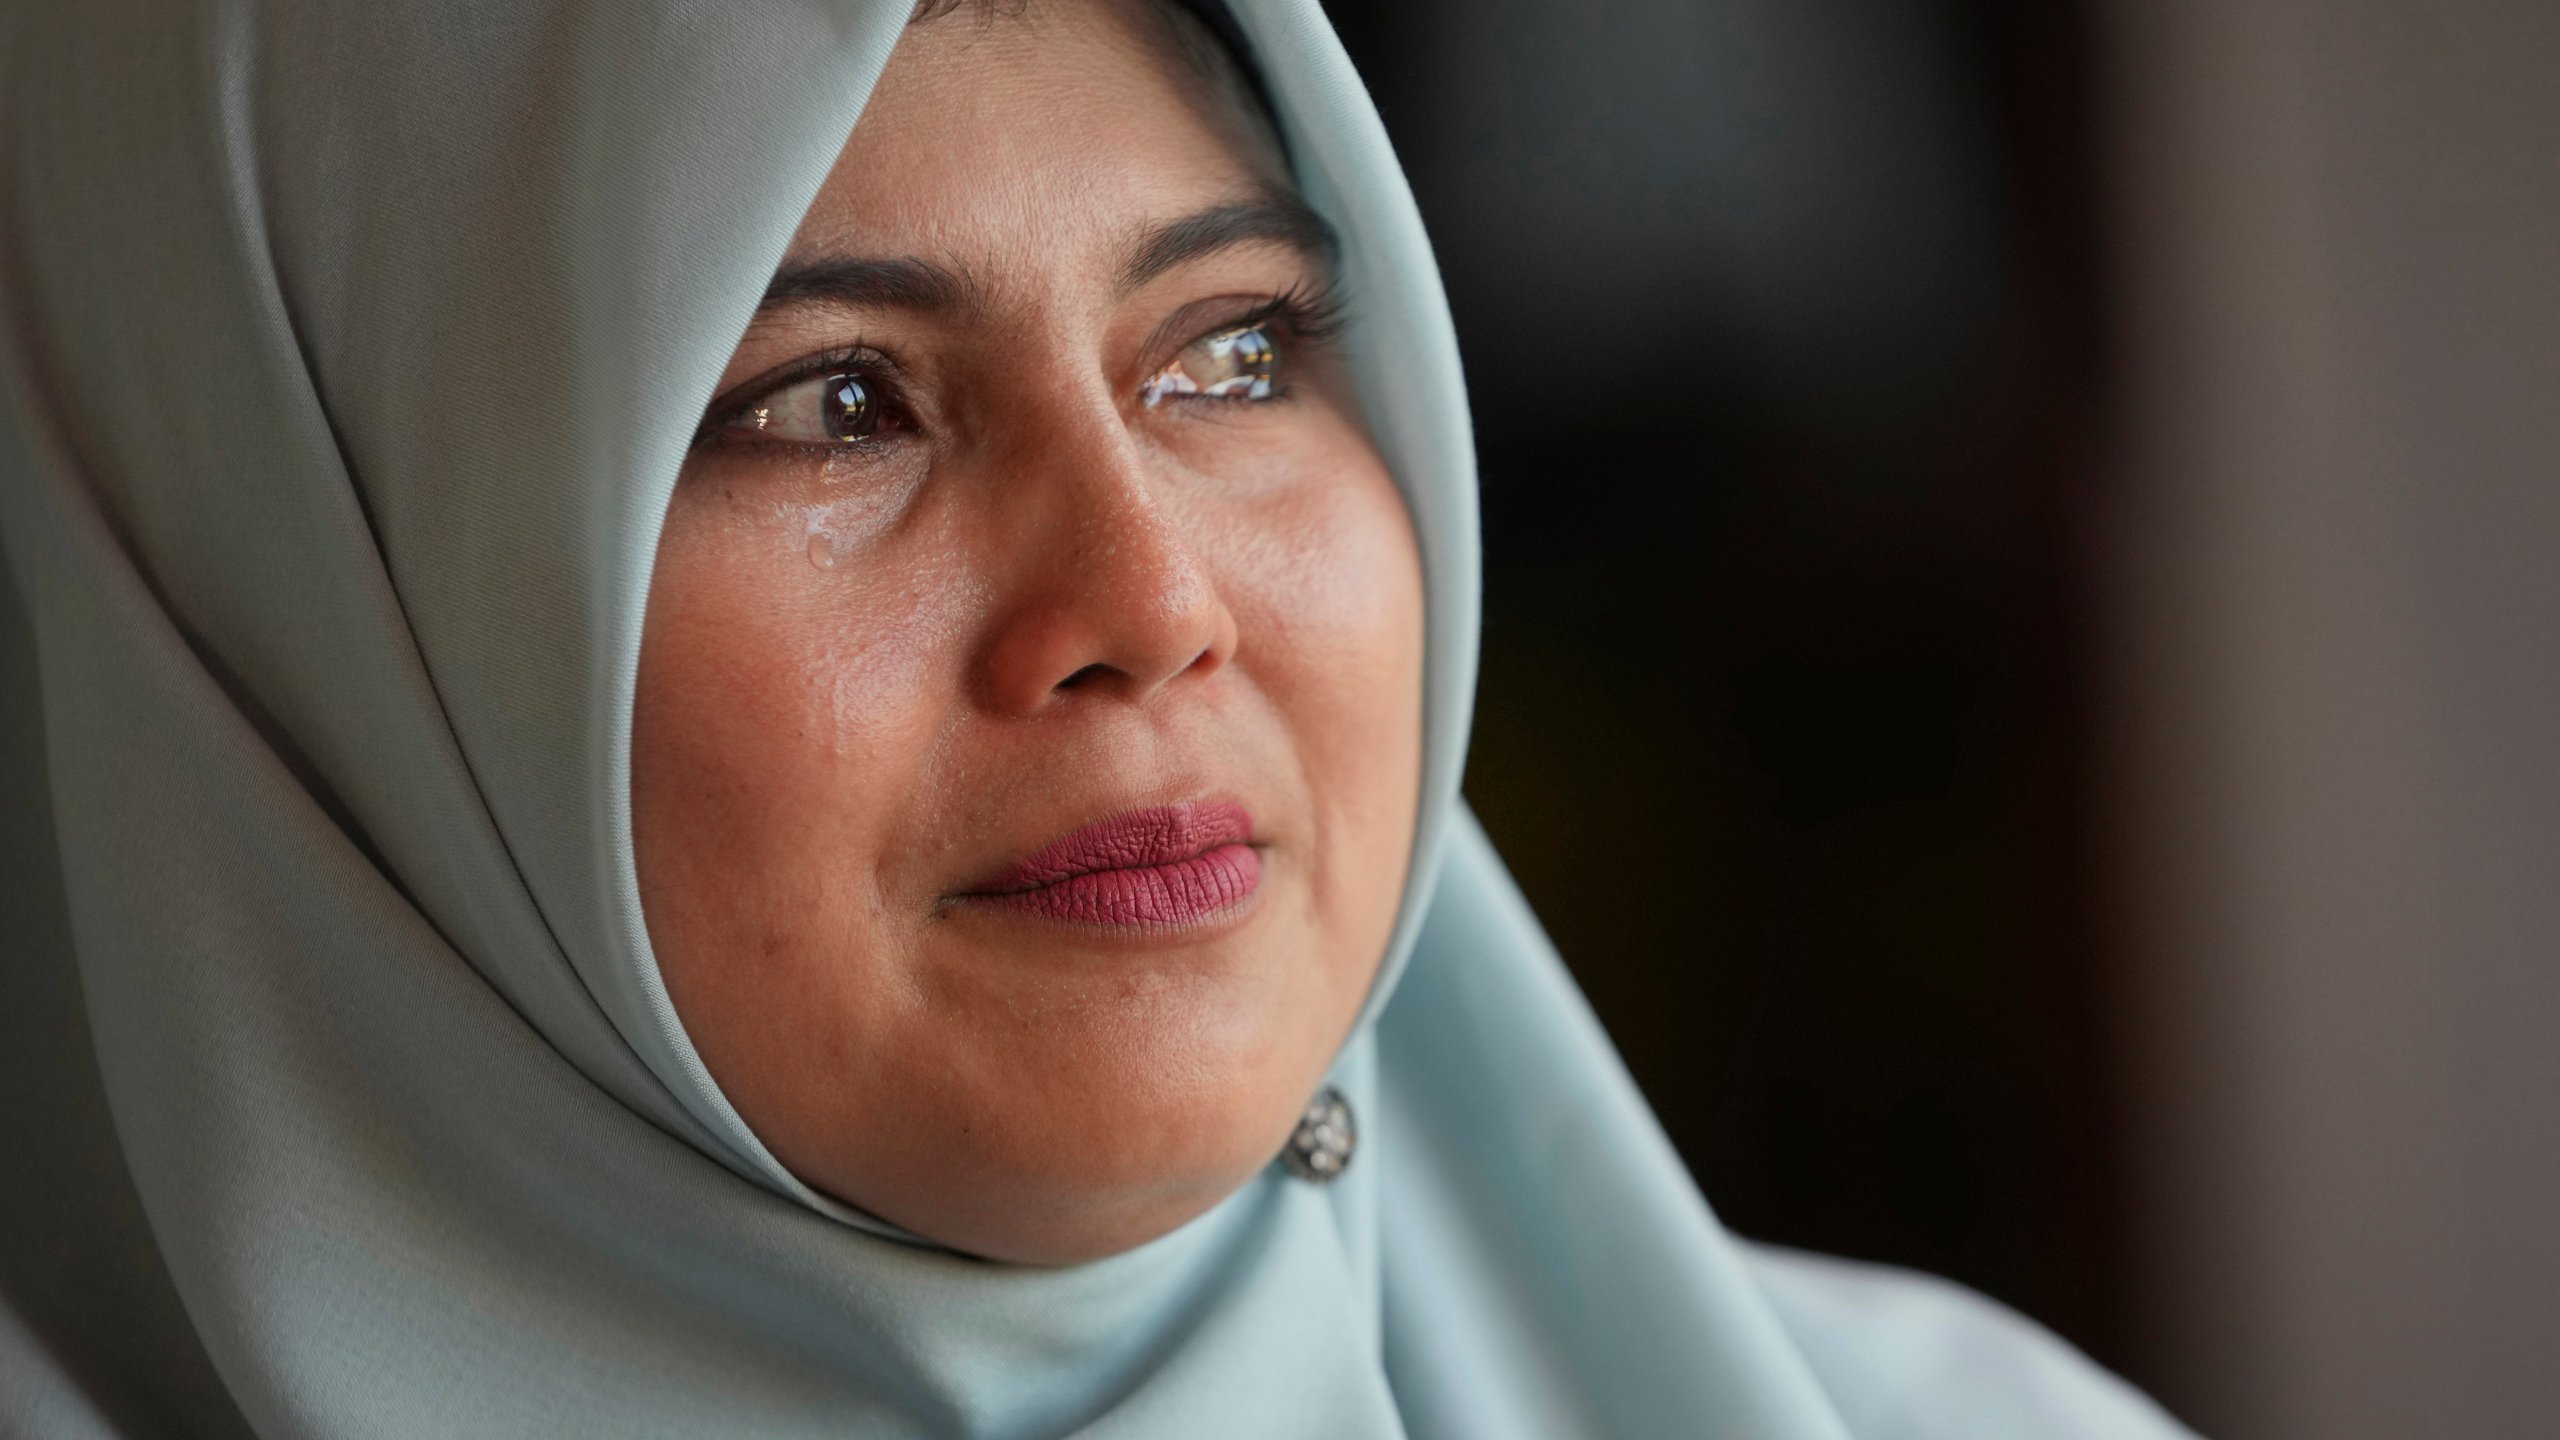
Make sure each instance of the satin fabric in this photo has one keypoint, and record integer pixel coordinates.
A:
(352, 351)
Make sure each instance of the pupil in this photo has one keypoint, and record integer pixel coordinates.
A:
(851, 413)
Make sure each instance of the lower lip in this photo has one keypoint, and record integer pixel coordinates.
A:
(1151, 897)
(1192, 864)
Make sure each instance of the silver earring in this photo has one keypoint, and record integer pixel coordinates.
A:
(1321, 1146)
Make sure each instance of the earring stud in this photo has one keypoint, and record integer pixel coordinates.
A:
(1321, 1146)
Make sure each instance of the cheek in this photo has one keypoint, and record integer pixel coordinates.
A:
(785, 686)
(1326, 584)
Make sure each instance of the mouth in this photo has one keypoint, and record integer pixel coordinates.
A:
(1163, 868)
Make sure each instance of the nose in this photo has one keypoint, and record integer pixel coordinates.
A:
(1108, 597)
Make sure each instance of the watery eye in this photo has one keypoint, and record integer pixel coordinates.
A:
(822, 410)
(1233, 364)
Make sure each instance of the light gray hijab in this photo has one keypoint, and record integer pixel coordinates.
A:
(351, 352)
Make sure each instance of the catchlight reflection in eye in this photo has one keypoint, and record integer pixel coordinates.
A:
(1230, 365)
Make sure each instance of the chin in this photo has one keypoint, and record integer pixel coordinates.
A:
(1094, 1179)
(1107, 1132)
(1075, 1228)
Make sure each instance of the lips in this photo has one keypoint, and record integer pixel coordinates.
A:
(1165, 867)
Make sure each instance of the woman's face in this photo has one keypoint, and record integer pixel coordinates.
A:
(1029, 717)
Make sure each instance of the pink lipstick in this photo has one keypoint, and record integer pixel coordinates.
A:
(1165, 867)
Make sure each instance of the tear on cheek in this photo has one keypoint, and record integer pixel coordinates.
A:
(834, 532)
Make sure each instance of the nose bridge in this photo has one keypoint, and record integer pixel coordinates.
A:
(1107, 593)
(1104, 488)
(1080, 493)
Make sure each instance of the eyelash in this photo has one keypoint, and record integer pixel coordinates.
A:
(1311, 314)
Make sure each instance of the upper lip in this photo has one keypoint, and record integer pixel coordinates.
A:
(1131, 840)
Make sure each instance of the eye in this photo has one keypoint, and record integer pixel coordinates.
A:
(838, 409)
(1237, 364)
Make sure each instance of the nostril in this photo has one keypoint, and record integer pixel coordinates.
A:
(1081, 676)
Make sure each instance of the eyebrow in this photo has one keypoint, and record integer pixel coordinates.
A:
(911, 283)
(903, 284)
(1277, 217)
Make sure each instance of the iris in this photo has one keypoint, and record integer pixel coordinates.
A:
(1235, 364)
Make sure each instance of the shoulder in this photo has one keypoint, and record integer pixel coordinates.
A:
(1906, 1356)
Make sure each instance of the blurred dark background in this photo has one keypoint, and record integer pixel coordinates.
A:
(2023, 642)
(1783, 323)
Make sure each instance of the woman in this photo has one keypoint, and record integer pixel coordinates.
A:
(921, 896)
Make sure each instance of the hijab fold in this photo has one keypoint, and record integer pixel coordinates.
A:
(351, 353)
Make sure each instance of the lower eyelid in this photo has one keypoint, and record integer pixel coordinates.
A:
(753, 444)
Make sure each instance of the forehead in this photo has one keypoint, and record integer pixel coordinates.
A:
(1038, 139)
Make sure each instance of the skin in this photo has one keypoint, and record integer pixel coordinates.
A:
(874, 674)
